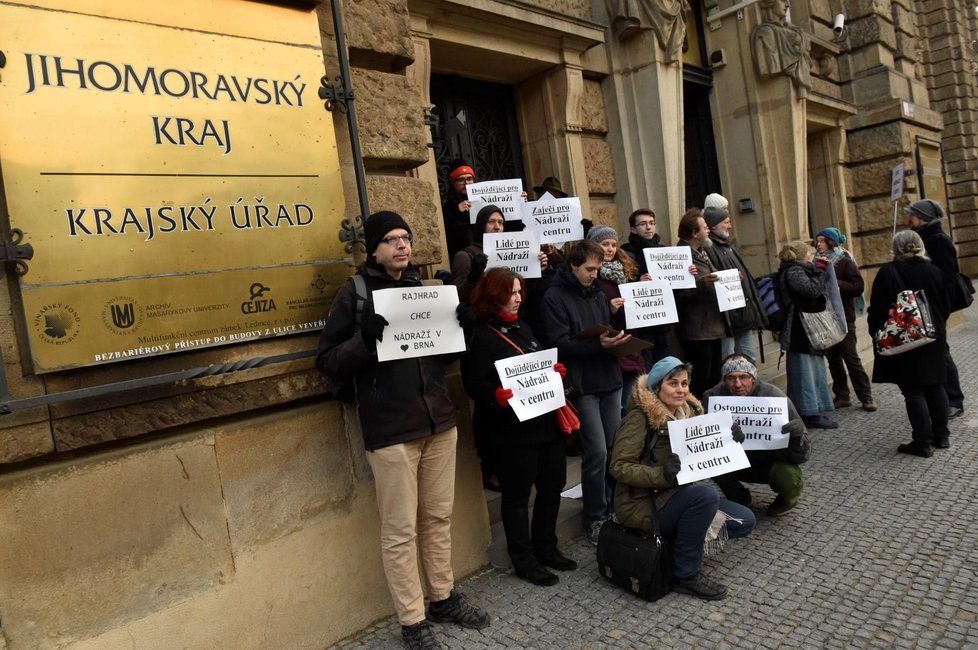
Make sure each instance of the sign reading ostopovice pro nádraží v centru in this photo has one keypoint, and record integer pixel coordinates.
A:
(180, 187)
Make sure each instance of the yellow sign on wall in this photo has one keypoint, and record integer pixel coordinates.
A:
(180, 187)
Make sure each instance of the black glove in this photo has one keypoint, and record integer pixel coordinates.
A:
(738, 433)
(478, 267)
(372, 329)
(466, 318)
(671, 466)
(795, 430)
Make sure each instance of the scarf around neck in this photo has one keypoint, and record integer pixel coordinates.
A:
(612, 271)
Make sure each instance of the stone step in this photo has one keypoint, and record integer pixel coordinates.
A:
(568, 520)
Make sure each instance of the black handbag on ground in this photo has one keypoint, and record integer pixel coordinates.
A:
(637, 561)
(634, 560)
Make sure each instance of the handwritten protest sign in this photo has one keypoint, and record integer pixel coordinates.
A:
(730, 292)
(671, 264)
(536, 386)
(506, 195)
(648, 303)
(519, 251)
(761, 419)
(705, 447)
(555, 220)
(421, 322)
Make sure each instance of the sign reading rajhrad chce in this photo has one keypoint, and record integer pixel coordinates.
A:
(180, 186)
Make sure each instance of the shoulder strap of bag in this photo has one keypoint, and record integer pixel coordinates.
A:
(359, 300)
(901, 285)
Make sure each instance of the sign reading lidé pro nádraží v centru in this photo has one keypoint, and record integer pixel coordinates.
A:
(706, 447)
(180, 187)
(517, 251)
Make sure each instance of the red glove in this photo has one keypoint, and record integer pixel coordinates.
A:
(821, 262)
(560, 369)
(503, 395)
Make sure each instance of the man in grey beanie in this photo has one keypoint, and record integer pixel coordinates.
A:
(724, 255)
(924, 217)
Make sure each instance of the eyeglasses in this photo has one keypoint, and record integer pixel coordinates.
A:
(645, 224)
(465, 179)
(394, 241)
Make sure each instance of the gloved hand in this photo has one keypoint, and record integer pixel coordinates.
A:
(478, 267)
(671, 467)
(503, 395)
(821, 262)
(465, 317)
(795, 430)
(372, 329)
(738, 433)
(560, 369)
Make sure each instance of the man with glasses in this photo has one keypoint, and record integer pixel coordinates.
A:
(779, 468)
(458, 230)
(642, 235)
(408, 422)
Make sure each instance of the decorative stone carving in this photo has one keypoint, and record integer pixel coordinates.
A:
(667, 18)
(781, 48)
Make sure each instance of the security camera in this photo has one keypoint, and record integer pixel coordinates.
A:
(839, 24)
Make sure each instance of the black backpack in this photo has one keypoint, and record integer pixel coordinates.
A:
(345, 388)
(767, 290)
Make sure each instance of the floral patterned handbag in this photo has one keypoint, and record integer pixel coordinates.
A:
(908, 324)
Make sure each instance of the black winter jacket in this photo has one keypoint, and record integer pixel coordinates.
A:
(700, 318)
(751, 317)
(940, 248)
(635, 249)
(481, 380)
(801, 288)
(397, 401)
(569, 308)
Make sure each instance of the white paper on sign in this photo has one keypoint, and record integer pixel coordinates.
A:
(421, 322)
(506, 195)
(537, 387)
(671, 264)
(761, 419)
(648, 303)
(555, 221)
(705, 447)
(519, 251)
(729, 290)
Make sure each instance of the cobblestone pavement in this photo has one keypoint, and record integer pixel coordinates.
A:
(880, 553)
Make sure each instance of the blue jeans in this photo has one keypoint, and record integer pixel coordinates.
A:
(686, 517)
(628, 380)
(600, 414)
(744, 343)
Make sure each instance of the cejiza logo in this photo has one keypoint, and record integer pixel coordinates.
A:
(122, 315)
(57, 323)
(257, 303)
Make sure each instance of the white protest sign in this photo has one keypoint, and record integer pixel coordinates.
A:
(536, 386)
(506, 195)
(421, 321)
(519, 251)
(705, 447)
(730, 292)
(555, 221)
(671, 264)
(896, 182)
(761, 419)
(648, 303)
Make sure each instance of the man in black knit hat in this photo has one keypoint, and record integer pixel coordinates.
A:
(408, 422)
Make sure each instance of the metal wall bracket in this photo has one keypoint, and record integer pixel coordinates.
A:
(14, 253)
(351, 234)
(337, 95)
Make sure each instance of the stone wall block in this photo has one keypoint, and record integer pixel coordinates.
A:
(863, 8)
(875, 214)
(594, 116)
(576, 8)
(412, 199)
(377, 34)
(878, 86)
(874, 178)
(280, 473)
(869, 31)
(607, 214)
(391, 121)
(599, 165)
(94, 544)
(25, 441)
(875, 248)
(884, 140)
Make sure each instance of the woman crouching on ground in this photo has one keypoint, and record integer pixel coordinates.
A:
(686, 512)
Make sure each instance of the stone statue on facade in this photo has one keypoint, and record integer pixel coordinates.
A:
(781, 48)
(667, 18)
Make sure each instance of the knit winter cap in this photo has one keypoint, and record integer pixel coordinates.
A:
(662, 368)
(600, 233)
(378, 225)
(459, 167)
(713, 216)
(832, 234)
(794, 250)
(481, 219)
(738, 364)
(926, 210)
(716, 201)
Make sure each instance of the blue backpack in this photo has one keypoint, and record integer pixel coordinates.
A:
(767, 289)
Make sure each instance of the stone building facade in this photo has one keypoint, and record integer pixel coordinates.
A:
(223, 510)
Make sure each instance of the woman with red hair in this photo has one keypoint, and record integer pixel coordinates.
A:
(527, 454)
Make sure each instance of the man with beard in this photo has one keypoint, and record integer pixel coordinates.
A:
(725, 255)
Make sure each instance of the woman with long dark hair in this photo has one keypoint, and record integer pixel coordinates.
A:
(529, 453)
